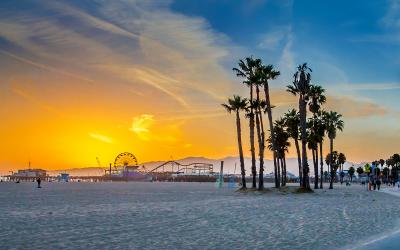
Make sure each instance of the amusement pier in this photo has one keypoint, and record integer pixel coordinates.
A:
(127, 168)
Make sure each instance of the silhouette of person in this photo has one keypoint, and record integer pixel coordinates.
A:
(38, 180)
(378, 183)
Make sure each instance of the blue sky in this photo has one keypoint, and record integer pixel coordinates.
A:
(351, 35)
(118, 74)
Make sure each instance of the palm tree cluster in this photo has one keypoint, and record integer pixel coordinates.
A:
(352, 170)
(392, 169)
(335, 162)
(307, 133)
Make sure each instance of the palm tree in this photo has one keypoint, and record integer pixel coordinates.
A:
(247, 69)
(312, 143)
(333, 124)
(341, 161)
(382, 162)
(317, 98)
(320, 130)
(385, 172)
(395, 166)
(351, 173)
(292, 124)
(260, 107)
(281, 145)
(332, 160)
(268, 73)
(301, 87)
(389, 163)
(237, 104)
(360, 171)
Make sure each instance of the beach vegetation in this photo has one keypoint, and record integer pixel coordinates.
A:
(237, 104)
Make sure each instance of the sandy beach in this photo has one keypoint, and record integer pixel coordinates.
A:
(190, 216)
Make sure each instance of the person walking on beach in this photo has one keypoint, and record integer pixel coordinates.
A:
(38, 180)
(378, 183)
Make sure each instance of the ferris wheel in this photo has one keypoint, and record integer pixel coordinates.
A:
(125, 159)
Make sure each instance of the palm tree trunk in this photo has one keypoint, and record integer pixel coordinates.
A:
(261, 139)
(284, 166)
(316, 168)
(303, 125)
(296, 143)
(331, 164)
(283, 172)
(322, 165)
(313, 158)
(252, 148)
(271, 128)
(261, 169)
(239, 137)
(279, 170)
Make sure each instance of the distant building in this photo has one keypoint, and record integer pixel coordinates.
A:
(30, 173)
(63, 177)
(288, 175)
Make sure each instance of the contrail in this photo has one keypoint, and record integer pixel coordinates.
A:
(45, 67)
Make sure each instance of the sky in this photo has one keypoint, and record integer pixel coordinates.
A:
(82, 79)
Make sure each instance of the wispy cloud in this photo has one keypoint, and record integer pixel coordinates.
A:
(141, 124)
(392, 16)
(101, 138)
(150, 77)
(145, 128)
(28, 96)
(44, 67)
(272, 39)
(286, 63)
(351, 107)
(372, 86)
(143, 42)
(390, 27)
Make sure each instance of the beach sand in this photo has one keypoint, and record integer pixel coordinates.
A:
(190, 216)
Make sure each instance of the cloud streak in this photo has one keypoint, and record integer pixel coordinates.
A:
(101, 138)
(372, 86)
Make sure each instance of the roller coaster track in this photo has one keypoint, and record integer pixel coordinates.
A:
(184, 166)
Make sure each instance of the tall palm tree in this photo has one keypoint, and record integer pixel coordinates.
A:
(332, 160)
(301, 87)
(317, 98)
(382, 162)
(351, 173)
(292, 124)
(236, 104)
(320, 131)
(281, 145)
(341, 161)
(267, 73)
(395, 166)
(260, 106)
(247, 69)
(333, 124)
(312, 139)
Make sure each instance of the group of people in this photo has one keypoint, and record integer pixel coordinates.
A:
(375, 183)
